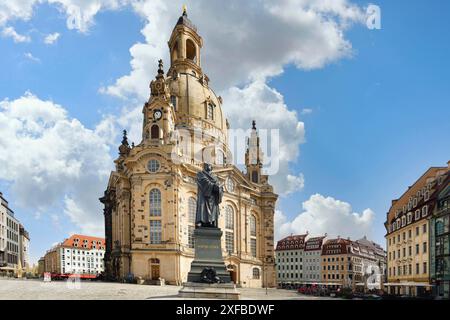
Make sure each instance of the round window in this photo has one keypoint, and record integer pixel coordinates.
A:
(153, 165)
(230, 185)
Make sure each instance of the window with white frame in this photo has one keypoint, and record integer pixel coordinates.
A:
(424, 211)
(155, 232)
(253, 225)
(155, 203)
(409, 217)
(210, 111)
(229, 229)
(253, 241)
(192, 208)
(256, 273)
(253, 247)
(153, 165)
(417, 214)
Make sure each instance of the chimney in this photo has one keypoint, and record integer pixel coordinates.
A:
(448, 164)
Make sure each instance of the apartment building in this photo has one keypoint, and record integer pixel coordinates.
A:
(312, 262)
(289, 260)
(79, 254)
(14, 241)
(408, 236)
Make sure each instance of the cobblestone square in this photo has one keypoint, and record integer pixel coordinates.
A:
(17, 289)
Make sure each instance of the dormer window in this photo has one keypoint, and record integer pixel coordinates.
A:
(409, 217)
(417, 214)
(415, 202)
(424, 211)
(427, 196)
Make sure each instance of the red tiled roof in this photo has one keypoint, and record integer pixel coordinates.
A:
(336, 246)
(314, 243)
(292, 243)
(84, 242)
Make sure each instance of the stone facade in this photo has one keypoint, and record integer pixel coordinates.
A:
(149, 204)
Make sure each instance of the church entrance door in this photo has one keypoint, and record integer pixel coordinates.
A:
(155, 271)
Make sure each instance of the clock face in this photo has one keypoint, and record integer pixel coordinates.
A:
(157, 115)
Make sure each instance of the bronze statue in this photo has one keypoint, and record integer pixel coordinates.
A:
(209, 196)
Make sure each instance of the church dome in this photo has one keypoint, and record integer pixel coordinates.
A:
(196, 105)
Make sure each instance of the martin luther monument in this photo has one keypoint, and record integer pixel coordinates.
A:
(208, 276)
(210, 194)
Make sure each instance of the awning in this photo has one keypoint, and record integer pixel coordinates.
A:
(7, 269)
(407, 284)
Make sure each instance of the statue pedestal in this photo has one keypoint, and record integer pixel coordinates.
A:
(208, 254)
(209, 291)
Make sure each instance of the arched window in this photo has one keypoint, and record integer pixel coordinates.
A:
(191, 51)
(154, 132)
(155, 203)
(210, 111)
(253, 225)
(229, 217)
(256, 274)
(253, 240)
(229, 229)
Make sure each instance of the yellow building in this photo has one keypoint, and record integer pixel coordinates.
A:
(336, 263)
(150, 200)
(407, 238)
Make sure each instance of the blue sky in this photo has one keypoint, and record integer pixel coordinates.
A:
(379, 118)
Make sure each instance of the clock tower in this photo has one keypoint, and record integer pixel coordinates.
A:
(159, 116)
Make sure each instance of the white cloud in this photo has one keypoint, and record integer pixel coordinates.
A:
(262, 37)
(322, 215)
(30, 56)
(266, 106)
(10, 32)
(48, 156)
(306, 111)
(52, 38)
(80, 13)
(11, 10)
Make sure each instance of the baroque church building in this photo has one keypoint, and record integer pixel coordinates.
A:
(150, 201)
